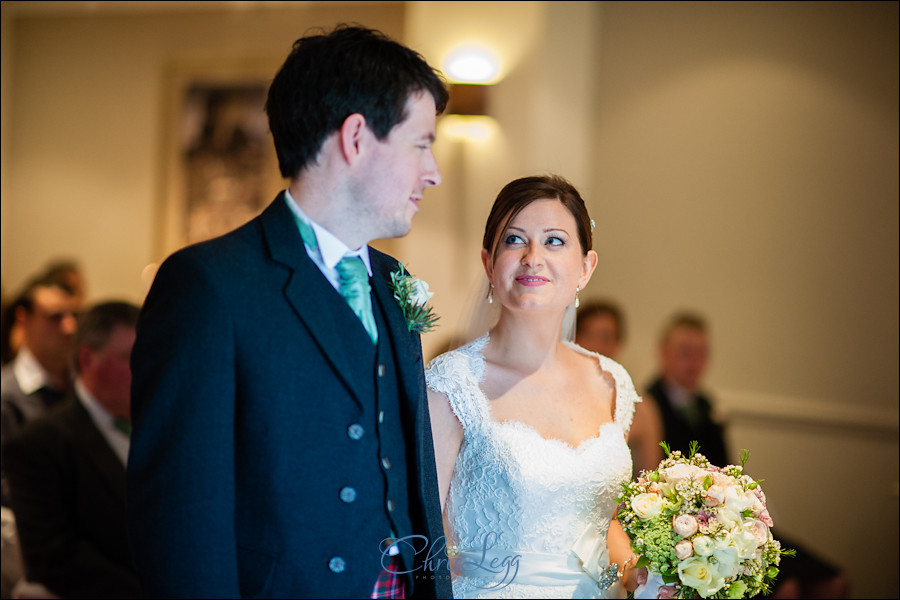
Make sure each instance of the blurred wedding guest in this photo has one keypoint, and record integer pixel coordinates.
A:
(39, 376)
(688, 413)
(600, 327)
(10, 332)
(69, 271)
(66, 470)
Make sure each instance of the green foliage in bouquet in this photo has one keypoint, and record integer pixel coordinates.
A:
(701, 527)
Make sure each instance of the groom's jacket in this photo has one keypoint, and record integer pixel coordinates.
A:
(274, 446)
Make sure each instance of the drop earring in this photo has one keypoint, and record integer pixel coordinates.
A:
(491, 295)
(577, 301)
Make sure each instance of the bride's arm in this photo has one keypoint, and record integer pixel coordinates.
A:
(620, 552)
(447, 432)
(644, 437)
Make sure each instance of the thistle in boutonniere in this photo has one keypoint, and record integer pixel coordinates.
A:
(412, 295)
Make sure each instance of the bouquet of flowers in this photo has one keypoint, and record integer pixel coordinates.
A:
(702, 527)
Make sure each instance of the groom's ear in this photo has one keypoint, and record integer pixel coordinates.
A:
(351, 136)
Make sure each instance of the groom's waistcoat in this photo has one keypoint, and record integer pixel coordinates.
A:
(384, 419)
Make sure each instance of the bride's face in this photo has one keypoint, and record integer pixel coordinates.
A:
(538, 261)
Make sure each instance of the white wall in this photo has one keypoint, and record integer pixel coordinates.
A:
(85, 122)
(746, 166)
(739, 158)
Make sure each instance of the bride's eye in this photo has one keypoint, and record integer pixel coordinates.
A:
(513, 239)
(555, 241)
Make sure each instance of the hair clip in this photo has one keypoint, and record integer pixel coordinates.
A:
(593, 225)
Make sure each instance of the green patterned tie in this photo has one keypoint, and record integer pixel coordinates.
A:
(307, 233)
(356, 291)
(354, 280)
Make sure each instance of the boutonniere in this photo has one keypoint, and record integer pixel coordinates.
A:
(412, 295)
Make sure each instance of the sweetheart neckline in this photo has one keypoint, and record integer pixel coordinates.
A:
(520, 425)
(479, 352)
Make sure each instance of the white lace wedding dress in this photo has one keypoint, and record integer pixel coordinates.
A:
(529, 515)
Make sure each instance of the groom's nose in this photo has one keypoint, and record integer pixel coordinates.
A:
(432, 174)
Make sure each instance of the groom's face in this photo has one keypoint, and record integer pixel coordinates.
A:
(397, 171)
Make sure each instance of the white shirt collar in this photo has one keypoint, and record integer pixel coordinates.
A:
(104, 420)
(331, 249)
(679, 396)
(100, 415)
(30, 375)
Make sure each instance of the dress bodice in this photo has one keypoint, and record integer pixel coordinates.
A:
(514, 492)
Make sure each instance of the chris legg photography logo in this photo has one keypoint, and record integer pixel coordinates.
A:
(491, 570)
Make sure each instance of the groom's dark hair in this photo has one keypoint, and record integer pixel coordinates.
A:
(329, 76)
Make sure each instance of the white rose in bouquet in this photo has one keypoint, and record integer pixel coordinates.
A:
(703, 545)
(678, 472)
(647, 506)
(698, 573)
(744, 542)
(727, 561)
(737, 500)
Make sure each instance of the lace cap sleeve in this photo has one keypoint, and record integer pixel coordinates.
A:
(457, 374)
(626, 395)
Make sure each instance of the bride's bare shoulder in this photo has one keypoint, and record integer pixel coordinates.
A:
(589, 366)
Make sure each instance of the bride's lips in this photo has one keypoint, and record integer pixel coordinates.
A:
(532, 280)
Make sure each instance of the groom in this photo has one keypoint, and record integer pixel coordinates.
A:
(281, 436)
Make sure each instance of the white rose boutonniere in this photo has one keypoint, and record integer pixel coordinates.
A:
(412, 294)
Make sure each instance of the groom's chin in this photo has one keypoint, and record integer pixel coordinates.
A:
(401, 229)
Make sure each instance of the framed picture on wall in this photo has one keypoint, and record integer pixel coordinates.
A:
(220, 164)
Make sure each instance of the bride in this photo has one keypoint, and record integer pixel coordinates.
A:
(529, 429)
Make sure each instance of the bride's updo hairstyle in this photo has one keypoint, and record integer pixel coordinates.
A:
(519, 193)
